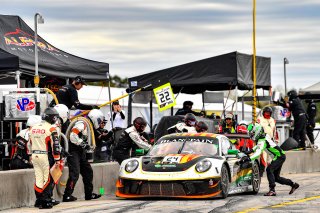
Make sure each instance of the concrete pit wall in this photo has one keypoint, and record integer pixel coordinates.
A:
(16, 186)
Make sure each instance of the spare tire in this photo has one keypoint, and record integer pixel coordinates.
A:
(289, 144)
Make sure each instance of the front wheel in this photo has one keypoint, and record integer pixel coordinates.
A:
(256, 180)
(224, 182)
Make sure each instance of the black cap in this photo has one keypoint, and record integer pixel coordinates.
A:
(115, 103)
(79, 79)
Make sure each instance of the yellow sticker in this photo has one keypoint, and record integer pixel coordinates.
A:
(164, 97)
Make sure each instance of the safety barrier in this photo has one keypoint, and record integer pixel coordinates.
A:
(301, 162)
(16, 186)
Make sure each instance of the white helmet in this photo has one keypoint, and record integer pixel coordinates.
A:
(63, 112)
(243, 122)
(96, 116)
(33, 120)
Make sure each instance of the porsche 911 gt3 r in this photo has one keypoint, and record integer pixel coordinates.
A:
(188, 165)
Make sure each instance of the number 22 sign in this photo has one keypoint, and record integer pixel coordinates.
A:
(164, 97)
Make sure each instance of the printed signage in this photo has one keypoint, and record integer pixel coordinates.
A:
(24, 104)
(164, 97)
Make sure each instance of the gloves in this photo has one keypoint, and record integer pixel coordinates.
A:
(184, 130)
(109, 135)
(245, 162)
(244, 159)
(247, 152)
(85, 146)
(84, 138)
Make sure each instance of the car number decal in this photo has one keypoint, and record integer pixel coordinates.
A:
(171, 159)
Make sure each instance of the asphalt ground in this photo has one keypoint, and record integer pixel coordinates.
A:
(304, 199)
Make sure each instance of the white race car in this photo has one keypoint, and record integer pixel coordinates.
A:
(188, 165)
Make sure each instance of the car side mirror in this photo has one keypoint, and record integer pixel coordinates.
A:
(139, 152)
(232, 153)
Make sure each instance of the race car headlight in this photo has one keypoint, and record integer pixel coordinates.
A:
(131, 166)
(203, 166)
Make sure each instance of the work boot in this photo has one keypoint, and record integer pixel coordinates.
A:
(37, 203)
(270, 193)
(293, 188)
(45, 205)
(93, 196)
(54, 202)
(69, 198)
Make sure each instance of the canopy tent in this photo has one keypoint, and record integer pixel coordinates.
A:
(311, 92)
(17, 45)
(224, 72)
(221, 72)
(8, 62)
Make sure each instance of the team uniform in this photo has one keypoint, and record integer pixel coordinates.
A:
(129, 141)
(182, 127)
(264, 142)
(43, 137)
(77, 161)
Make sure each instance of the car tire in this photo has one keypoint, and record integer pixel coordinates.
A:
(256, 179)
(224, 182)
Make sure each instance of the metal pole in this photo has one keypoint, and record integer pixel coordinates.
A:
(236, 115)
(254, 68)
(285, 61)
(110, 106)
(36, 77)
(151, 112)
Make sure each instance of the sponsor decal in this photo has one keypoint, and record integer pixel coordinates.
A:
(285, 113)
(164, 165)
(38, 131)
(201, 140)
(21, 41)
(24, 104)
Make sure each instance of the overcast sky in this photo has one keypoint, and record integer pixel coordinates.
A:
(141, 36)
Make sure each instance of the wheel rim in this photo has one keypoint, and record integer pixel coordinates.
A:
(255, 178)
(224, 180)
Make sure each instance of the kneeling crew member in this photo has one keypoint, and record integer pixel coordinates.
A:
(130, 140)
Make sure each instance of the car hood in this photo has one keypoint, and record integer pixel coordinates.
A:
(171, 163)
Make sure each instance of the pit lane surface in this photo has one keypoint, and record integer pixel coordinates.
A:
(305, 199)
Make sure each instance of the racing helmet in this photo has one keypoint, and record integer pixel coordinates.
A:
(50, 115)
(201, 127)
(292, 94)
(63, 112)
(96, 117)
(243, 123)
(255, 131)
(190, 119)
(33, 120)
(140, 124)
(267, 109)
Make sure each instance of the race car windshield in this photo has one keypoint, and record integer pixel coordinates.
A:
(199, 146)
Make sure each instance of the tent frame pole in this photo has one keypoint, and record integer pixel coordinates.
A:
(109, 91)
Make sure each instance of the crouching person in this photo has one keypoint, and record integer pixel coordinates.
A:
(264, 142)
(44, 137)
(77, 161)
(130, 140)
